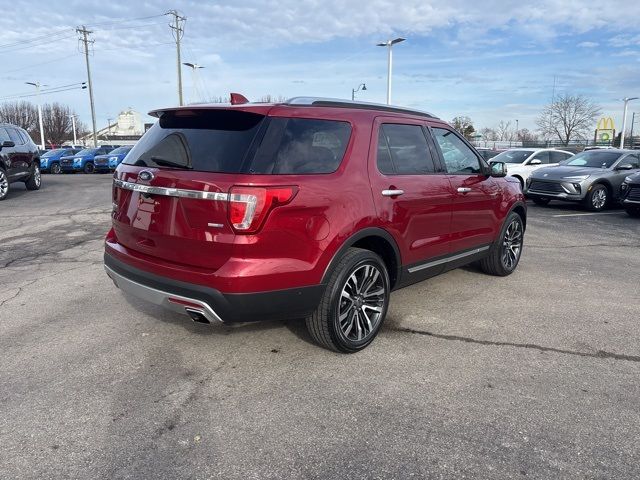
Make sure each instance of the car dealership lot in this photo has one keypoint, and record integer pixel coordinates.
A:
(532, 375)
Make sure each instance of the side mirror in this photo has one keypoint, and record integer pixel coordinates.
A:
(498, 169)
(535, 161)
(8, 144)
(626, 166)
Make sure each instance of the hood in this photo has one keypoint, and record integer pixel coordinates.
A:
(106, 155)
(635, 178)
(556, 173)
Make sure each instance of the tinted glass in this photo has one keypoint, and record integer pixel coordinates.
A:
(301, 146)
(53, 153)
(25, 136)
(403, 150)
(15, 136)
(594, 159)
(226, 141)
(557, 157)
(542, 156)
(513, 156)
(458, 157)
(120, 150)
(630, 160)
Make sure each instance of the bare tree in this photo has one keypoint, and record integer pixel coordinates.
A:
(524, 135)
(273, 98)
(568, 117)
(23, 114)
(504, 131)
(489, 134)
(464, 125)
(219, 99)
(56, 121)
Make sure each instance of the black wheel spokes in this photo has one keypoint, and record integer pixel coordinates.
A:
(599, 198)
(512, 245)
(4, 183)
(361, 303)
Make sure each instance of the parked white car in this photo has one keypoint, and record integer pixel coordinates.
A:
(522, 161)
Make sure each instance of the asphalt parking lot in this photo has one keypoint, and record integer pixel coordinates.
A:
(531, 376)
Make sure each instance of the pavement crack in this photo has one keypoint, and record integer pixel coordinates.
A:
(532, 346)
(18, 292)
(591, 245)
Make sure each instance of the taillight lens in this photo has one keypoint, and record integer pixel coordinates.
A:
(250, 206)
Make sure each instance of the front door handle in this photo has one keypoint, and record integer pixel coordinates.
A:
(463, 190)
(392, 193)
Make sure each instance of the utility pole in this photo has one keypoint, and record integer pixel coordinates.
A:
(177, 30)
(633, 120)
(85, 33)
(73, 122)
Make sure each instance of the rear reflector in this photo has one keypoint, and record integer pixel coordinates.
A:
(250, 206)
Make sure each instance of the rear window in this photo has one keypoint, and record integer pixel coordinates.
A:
(229, 141)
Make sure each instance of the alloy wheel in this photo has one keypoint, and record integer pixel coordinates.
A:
(512, 245)
(599, 198)
(55, 168)
(4, 184)
(362, 302)
(37, 176)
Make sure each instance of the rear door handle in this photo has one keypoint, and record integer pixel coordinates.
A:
(392, 193)
(463, 190)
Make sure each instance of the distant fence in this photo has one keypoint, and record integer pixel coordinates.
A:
(573, 145)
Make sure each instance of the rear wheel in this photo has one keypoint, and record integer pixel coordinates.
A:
(597, 198)
(55, 168)
(354, 304)
(89, 167)
(35, 180)
(504, 255)
(4, 185)
(543, 202)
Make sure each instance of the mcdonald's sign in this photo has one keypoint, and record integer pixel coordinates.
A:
(605, 130)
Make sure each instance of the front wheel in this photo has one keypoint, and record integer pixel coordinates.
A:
(35, 180)
(504, 255)
(354, 304)
(4, 185)
(597, 198)
(89, 167)
(56, 169)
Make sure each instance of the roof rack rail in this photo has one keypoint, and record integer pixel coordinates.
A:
(341, 103)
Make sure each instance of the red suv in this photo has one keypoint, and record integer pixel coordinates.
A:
(312, 208)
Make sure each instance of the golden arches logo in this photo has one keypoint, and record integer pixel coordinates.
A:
(606, 123)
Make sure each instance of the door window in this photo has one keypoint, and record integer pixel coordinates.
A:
(15, 136)
(542, 156)
(403, 150)
(458, 156)
(4, 136)
(557, 157)
(24, 136)
(630, 160)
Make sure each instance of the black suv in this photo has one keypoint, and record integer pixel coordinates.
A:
(19, 159)
(630, 195)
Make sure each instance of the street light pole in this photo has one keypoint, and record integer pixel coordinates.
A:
(362, 87)
(194, 81)
(633, 121)
(73, 123)
(624, 118)
(38, 85)
(389, 44)
(517, 129)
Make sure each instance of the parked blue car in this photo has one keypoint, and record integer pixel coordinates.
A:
(83, 160)
(50, 160)
(109, 162)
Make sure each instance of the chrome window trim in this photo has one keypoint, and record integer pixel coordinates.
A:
(453, 258)
(171, 192)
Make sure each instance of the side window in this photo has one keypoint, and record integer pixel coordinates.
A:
(557, 157)
(403, 150)
(542, 156)
(458, 157)
(15, 136)
(25, 136)
(4, 136)
(631, 160)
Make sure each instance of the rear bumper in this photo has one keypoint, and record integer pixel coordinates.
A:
(183, 297)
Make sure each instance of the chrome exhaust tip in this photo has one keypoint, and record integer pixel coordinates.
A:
(197, 316)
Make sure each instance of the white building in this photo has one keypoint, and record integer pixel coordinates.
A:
(126, 129)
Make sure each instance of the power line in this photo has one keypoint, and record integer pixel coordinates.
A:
(46, 41)
(42, 93)
(42, 63)
(124, 20)
(35, 39)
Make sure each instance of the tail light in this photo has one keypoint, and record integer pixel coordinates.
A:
(250, 206)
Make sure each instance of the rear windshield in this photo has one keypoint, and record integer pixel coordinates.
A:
(231, 141)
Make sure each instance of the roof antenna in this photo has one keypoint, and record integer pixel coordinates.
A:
(238, 99)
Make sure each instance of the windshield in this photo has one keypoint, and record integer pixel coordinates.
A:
(51, 153)
(594, 159)
(87, 151)
(512, 156)
(120, 150)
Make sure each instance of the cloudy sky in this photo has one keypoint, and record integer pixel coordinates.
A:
(492, 60)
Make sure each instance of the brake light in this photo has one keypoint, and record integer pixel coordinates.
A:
(250, 206)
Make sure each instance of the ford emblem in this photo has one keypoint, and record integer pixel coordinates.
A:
(145, 176)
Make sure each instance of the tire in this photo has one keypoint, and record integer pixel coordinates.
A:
(521, 182)
(89, 167)
(357, 271)
(597, 198)
(543, 202)
(56, 169)
(505, 253)
(4, 185)
(633, 212)
(35, 180)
